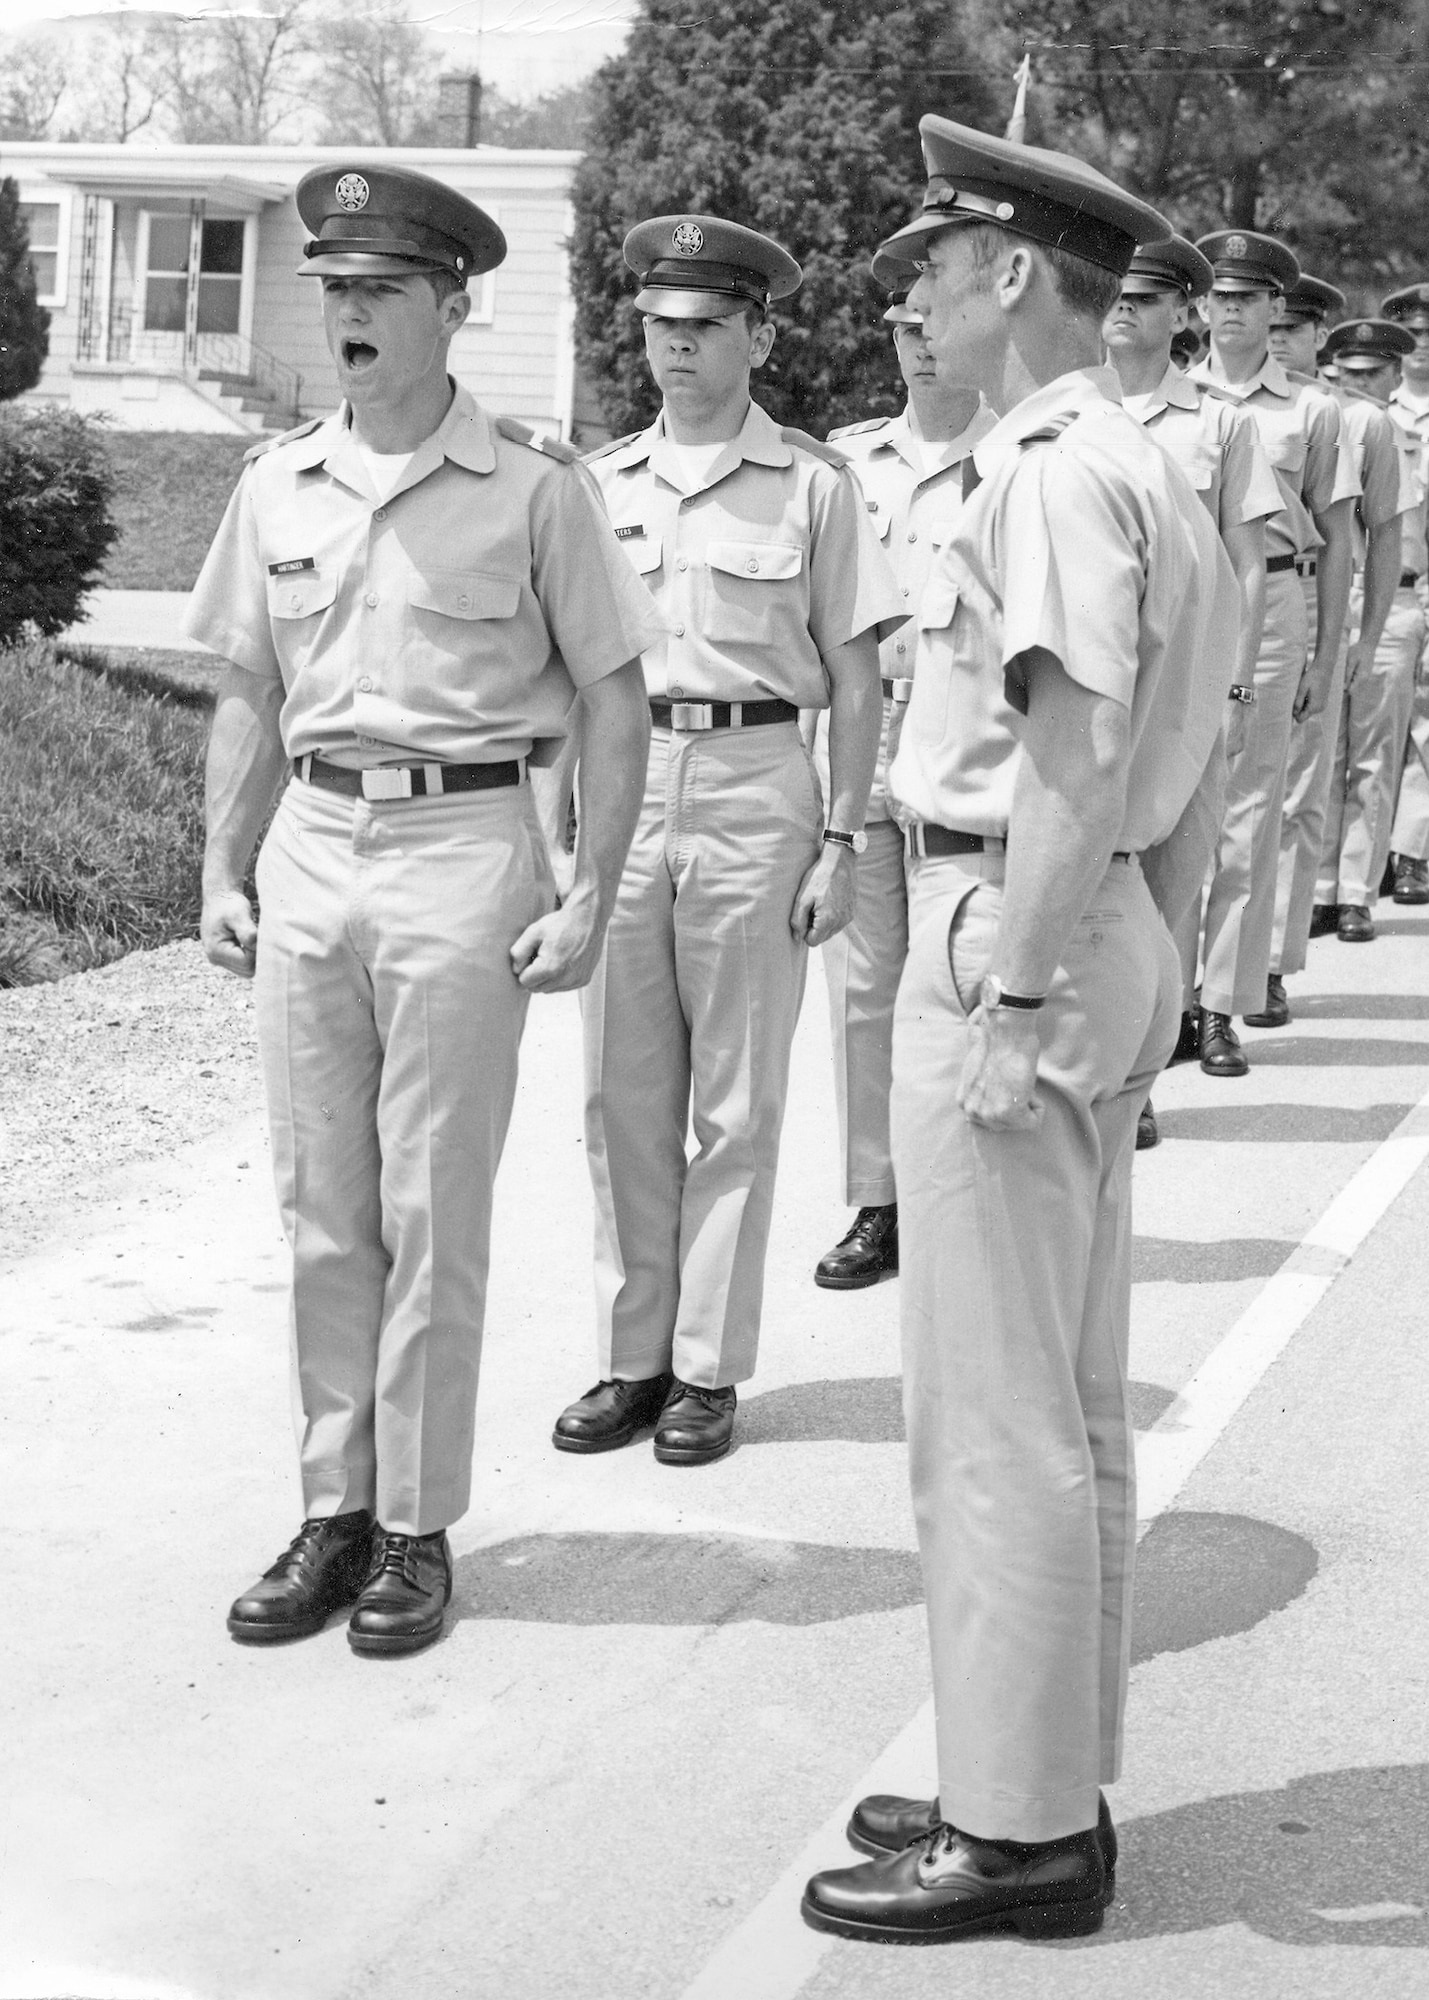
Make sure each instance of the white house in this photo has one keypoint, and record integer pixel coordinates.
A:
(171, 277)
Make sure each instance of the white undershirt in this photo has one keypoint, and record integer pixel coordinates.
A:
(385, 468)
(696, 461)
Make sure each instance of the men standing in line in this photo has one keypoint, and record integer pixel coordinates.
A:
(1218, 447)
(410, 594)
(1299, 425)
(1365, 731)
(775, 594)
(910, 470)
(1074, 646)
(1409, 408)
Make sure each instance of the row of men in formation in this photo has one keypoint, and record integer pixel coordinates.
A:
(1082, 740)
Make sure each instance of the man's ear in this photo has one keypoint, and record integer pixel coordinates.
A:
(1014, 280)
(455, 308)
(1203, 313)
(761, 342)
(1181, 316)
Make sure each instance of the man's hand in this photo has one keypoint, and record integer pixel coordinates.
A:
(228, 933)
(999, 1081)
(560, 951)
(1237, 729)
(1359, 655)
(825, 902)
(1313, 691)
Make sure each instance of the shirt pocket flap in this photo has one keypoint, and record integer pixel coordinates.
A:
(763, 562)
(939, 602)
(1286, 450)
(465, 593)
(1202, 462)
(941, 533)
(300, 594)
(645, 554)
(882, 522)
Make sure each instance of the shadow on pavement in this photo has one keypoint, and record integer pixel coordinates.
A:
(651, 1579)
(1179, 1260)
(1336, 1858)
(1336, 1052)
(1203, 1576)
(1360, 1007)
(868, 1409)
(1286, 1124)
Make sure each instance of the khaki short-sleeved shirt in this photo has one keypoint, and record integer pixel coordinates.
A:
(1085, 538)
(1215, 444)
(768, 563)
(450, 622)
(1384, 463)
(1300, 428)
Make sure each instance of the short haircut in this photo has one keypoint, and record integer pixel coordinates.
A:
(444, 282)
(754, 315)
(1085, 289)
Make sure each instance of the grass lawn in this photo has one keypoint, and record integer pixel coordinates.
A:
(172, 488)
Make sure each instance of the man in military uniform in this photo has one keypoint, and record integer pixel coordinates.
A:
(910, 469)
(1075, 639)
(1299, 423)
(774, 594)
(1218, 447)
(1409, 408)
(1344, 765)
(410, 594)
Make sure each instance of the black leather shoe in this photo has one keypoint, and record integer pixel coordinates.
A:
(1411, 880)
(1221, 1052)
(1276, 1011)
(319, 1572)
(1148, 1132)
(948, 1885)
(861, 1258)
(886, 1824)
(1188, 1042)
(610, 1414)
(695, 1425)
(1324, 919)
(1386, 880)
(1356, 925)
(405, 1597)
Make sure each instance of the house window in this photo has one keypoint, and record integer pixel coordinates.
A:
(46, 218)
(220, 275)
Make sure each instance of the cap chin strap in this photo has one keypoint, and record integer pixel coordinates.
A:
(941, 196)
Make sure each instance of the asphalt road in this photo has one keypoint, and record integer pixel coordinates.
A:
(660, 1687)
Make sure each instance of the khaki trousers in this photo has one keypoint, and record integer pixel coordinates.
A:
(863, 965)
(1307, 790)
(1373, 724)
(1015, 1306)
(689, 1020)
(1410, 834)
(388, 1024)
(1240, 897)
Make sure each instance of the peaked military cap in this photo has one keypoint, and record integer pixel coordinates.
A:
(1245, 262)
(701, 267)
(1188, 346)
(1173, 265)
(1050, 198)
(1369, 341)
(371, 221)
(898, 312)
(1311, 298)
(1404, 305)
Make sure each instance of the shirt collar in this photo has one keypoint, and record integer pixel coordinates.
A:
(1050, 408)
(758, 440)
(1270, 375)
(899, 437)
(1173, 391)
(463, 435)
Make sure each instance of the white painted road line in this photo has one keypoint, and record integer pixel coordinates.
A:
(773, 1954)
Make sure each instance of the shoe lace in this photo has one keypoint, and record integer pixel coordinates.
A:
(713, 1399)
(301, 1550)
(396, 1555)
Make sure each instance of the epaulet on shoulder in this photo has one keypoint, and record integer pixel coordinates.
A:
(284, 437)
(564, 454)
(857, 430)
(1048, 434)
(604, 450)
(803, 442)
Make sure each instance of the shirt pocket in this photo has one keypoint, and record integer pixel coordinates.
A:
(751, 583)
(465, 593)
(646, 554)
(1286, 451)
(939, 602)
(301, 594)
(1202, 464)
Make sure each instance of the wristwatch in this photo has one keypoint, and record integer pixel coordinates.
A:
(1245, 694)
(993, 994)
(857, 842)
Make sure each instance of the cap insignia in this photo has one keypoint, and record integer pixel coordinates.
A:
(351, 192)
(1364, 333)
(1236, 246)
(688, 239)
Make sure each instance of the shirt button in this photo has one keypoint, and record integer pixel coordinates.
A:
(294, 601)
(380, 515)
(682, 564)
(912, 534)
(678, 693)
(679, 631)
(906, 591)
(368, 742)
(371, 599)
(365, 684)
(753, 566)
(901, 647)
(463, 604)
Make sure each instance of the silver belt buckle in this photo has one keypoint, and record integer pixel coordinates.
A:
(1305, 565)
(692, 715)
(902, 691)
(914, 840)
(392, 783)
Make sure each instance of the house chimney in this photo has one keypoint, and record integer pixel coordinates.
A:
(459, 109)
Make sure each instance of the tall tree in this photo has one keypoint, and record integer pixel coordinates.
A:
(120, 83)
(1304, 117)
(376, 76)
(233, 78)
(33, 71)
(24, 324)
(795, 117)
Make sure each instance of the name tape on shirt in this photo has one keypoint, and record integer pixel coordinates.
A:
(291, 567)
(629, 534)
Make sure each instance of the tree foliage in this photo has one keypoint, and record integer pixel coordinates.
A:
(375, 75)
(798, 118)
(24, 323)
(55, 522)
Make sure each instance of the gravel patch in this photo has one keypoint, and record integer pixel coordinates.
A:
(108, 1069)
